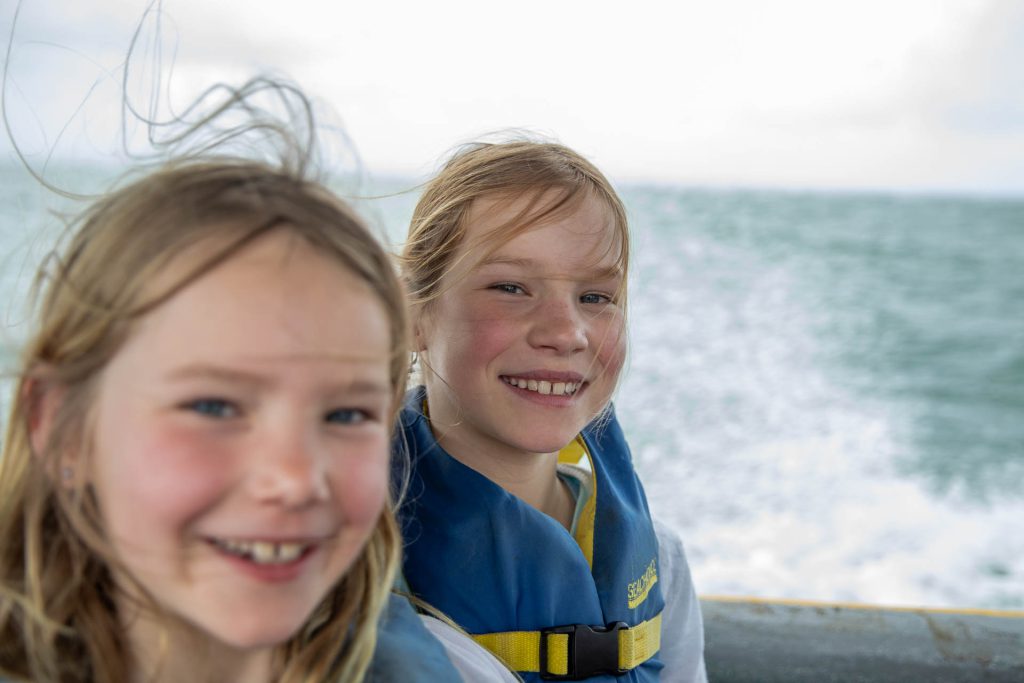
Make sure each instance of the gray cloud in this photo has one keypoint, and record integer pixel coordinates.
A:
(977, 88)
(792, 111)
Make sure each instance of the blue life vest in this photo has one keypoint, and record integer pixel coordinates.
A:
(496, 565)
(406, 651)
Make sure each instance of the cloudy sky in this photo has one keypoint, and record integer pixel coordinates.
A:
(895, 94)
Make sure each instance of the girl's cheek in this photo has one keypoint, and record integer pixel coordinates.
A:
(359, 483)
(492, 327)
(174, 468)
(490, 335)
(612, 350)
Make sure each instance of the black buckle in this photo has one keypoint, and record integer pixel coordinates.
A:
(593, 650)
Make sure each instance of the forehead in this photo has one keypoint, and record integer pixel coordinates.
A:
(276, 296)
(534, 227)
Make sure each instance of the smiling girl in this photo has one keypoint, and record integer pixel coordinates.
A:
(194, 479)
(525, 520)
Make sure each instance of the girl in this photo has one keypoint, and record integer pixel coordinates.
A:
(193, 483)
(525, 521)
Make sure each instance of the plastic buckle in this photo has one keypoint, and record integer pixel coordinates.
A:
(593, 650)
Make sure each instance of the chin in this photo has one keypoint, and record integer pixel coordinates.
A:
(259, 639)
(547, 444)
(262, 631)
(550, 440)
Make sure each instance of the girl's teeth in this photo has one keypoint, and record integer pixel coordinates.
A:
(262, 552)
(544, 387)
(288, 552)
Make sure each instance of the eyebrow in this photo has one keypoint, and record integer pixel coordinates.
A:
(596, 273)
(215, 372)
(205, 371)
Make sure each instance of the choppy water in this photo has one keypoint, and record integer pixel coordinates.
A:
(825, 392)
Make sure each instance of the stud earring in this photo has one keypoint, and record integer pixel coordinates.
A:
(67, 473)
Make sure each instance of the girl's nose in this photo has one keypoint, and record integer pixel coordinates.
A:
(558, 326)
(289, 471)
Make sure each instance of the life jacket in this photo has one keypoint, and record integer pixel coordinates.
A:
(406, 651)
(544, 602)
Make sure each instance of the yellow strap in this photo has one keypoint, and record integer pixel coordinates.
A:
(639, 643)
(520, 650)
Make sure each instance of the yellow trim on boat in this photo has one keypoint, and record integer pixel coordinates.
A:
(793, 602)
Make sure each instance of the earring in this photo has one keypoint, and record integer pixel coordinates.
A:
(67, 473)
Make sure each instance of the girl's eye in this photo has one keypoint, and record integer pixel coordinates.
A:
(213, 407)
(508, 288)
(595, 298)
(348, 416)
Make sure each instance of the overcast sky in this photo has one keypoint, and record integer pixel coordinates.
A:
(898, 94)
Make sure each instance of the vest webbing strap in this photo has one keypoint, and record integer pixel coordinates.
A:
(521, 650)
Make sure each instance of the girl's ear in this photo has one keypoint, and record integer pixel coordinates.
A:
(42, 400)
(419, 339)
(419, 329)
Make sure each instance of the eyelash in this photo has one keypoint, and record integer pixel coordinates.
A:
(506, 288)
(513, 288)
(603, 298)
(221, 409)
(215, 408)
(361, 415)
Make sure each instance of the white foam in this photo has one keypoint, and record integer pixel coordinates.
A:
(780, 479)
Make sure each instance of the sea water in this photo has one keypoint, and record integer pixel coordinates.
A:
(824, 395)
(826, 392)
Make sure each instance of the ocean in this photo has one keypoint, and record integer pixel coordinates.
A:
(824, 394)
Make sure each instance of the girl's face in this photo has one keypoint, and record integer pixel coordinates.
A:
(241, 443)
(525, 345)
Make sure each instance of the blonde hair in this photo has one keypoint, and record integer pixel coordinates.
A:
(57, 616)
(514, 169)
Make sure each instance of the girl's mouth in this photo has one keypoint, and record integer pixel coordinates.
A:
(543, 387)
(263, 552)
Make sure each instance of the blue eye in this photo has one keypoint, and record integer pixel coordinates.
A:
(508, 288)
(594, 298)
(212, 407)
(347, 416)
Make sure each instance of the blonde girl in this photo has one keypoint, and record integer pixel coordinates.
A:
(194, 478)
(525, 521)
